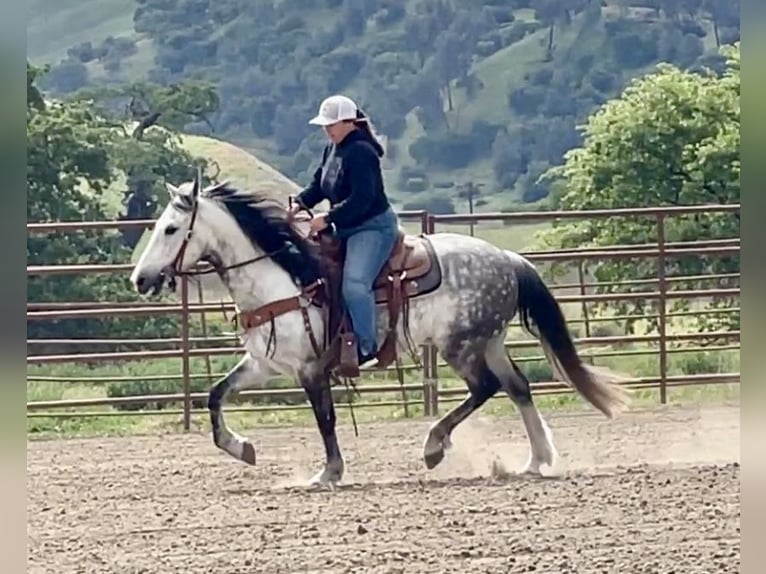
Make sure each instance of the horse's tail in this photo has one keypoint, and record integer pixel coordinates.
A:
(537, 305)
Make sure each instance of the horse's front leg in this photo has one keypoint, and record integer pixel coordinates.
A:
(247, 374)
(317, 388)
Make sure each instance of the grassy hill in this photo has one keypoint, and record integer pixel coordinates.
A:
(240, 167)
(237, 165)
(56, 25)
(252, 89)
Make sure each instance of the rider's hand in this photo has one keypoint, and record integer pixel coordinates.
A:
(318, 223)
(294, 209)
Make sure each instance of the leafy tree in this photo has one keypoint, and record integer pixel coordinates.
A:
(506, 160)
(173, 107)
(671, 138)
(723, 14)
(74, 153)
(151, 156)
(551, 13)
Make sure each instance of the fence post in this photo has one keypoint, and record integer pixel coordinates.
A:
(661, 306)
(427, 386)
(583, 292)
(432, 356)
(434, 373)
(185, 351)
(426, 349)
(203, 324)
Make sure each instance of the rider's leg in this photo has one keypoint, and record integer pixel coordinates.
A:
(367, 250)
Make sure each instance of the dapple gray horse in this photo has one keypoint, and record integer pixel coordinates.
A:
(466, 318)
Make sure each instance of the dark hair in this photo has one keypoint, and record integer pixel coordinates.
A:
(365, 126)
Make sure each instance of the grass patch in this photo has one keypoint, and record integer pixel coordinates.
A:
(163, 420)
(125, 425)
(56, 25)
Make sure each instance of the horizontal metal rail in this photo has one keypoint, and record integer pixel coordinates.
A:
(572, 255)
(178, 309)
(95, 380)
(213, 351)
(445, 394)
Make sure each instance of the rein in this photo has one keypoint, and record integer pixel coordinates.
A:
(177, 261)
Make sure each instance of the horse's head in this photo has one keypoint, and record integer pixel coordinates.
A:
(176, 243)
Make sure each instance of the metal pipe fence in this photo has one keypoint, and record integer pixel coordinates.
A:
(425, 384)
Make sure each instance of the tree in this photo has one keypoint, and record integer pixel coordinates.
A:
(470, 192)
(150, 156)
(428, 67)
(723, 13)
(671, 138)
(74, 154)
(506, 160)
(173, 107)
(551, 13)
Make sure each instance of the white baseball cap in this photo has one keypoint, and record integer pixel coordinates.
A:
(335, 109)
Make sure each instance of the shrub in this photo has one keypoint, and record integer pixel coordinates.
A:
(197, 385)
(437, 205)
(416, 184)
(120, 389)
(486, 48)
(540, 76)
(701, 362)
(537, 371)
(602, 80)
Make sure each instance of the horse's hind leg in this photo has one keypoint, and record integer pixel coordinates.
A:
(482, 385)
(542, 451)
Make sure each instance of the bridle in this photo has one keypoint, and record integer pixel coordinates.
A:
(175, 266)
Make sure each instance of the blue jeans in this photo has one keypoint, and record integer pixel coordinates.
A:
(368, 247)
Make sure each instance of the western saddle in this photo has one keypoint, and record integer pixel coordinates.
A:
(411, 270)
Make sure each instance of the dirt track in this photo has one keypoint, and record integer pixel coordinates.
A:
(652, 492)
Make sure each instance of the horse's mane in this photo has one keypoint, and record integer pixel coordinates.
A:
(265, 222)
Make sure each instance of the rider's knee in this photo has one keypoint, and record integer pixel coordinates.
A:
(354, 287)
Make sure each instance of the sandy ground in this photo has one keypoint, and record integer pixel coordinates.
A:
(651, 492)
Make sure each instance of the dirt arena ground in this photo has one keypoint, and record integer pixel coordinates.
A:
(652, 492)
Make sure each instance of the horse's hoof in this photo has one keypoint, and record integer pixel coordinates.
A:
(329, 476)
(434, 448)
(433, 458)
(320, 482)
(248, 454)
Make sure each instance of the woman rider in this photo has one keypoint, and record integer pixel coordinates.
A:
(350, 178)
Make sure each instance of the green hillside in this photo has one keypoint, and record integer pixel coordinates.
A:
(56, 25)
(487, 92)
(237, 165)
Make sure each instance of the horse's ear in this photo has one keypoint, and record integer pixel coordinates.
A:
(216, 186)
(172, 190)
(197, 185)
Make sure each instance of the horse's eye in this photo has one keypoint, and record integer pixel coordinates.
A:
(170, 229)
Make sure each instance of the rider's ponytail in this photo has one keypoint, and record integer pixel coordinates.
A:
(365, 125)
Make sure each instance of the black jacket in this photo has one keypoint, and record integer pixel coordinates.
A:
(350, 178)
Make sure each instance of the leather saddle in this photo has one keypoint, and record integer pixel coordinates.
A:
(412, 270)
